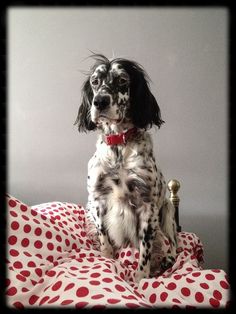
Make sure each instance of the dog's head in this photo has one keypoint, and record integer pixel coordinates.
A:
(117, 91)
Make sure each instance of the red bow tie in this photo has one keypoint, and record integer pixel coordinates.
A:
(121, 138)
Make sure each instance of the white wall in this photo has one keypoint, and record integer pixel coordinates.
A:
(185, 53)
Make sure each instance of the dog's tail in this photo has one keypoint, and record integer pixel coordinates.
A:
(167, 222)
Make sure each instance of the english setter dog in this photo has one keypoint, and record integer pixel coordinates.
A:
(126, 189)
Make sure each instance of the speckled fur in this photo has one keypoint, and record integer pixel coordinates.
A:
(126, 189)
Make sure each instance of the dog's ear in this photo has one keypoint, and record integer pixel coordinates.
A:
(84, 117)
(144, 109)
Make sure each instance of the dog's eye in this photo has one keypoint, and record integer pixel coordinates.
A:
(122, 80)
(94, 82)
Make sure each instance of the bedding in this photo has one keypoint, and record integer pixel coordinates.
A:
(53, 260)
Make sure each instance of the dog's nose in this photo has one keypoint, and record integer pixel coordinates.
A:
(101, 102)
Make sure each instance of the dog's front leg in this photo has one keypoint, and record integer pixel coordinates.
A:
(106, 247)
(146, 236)
(97, 211)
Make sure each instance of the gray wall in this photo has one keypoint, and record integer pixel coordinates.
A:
(185, 53)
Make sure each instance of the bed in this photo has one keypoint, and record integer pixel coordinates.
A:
(53, 260)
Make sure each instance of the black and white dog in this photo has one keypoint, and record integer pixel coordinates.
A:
(126, 189)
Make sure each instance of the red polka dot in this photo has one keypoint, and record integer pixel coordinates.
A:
(217, 295)
(12, 240)
(204, 285)
(155, 284)
(82, 292)
(53, 300)
(132, 305)
(38, 231)
(69, 286)
(199, 297)
(38, 244)
(214, 302)
(153, 298)
(113, 301)
(224, 284)
(51, 273)
(18, 265)
(84, 271)
(107, 289)
(171, 286)
(33, 299)
(67, 242)
(48, 235)
(66, 302)
(196, 274)
(145, 285)
(20, 278)
(23, 208)
(210, 277)
(94, 282)
(81, 304)
(15, 225)
(13, 213)
(27, 254)
(14, 253)
(39, 272)
(34, 212)
(189, 280)
(25, 217)
(185, 291)
(8, 282)
(50, 246)
(120, 288)
(59, 249)
(11, 291)
(107, 279)
(18, 305)
(177, 277)
(58, 238)
(25, 273)
(83, 234)
(24, 289)
(163, 296)
(12, 203)
(129, 297)
(57, 286)
(97, 296)
(25, 242)
(27, 228)
(43, 300)
(31, 264)
(128, 253)
(95, 275)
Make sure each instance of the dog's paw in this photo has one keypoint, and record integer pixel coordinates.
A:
(107, 253)
(139, 275)
(167, 262)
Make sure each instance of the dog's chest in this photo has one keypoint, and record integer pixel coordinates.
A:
(120, 181)
(117, 170)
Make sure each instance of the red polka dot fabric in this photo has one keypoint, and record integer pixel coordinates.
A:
(53, 260)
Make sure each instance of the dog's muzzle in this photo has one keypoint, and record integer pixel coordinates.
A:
(101, 102)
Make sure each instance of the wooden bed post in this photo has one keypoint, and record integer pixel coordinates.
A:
(173, 187)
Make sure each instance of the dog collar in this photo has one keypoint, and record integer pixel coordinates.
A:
(119, 139)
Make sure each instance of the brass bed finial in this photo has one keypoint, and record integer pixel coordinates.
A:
(173, 187)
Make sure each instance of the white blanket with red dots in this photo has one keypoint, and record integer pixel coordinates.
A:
(53, 260)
